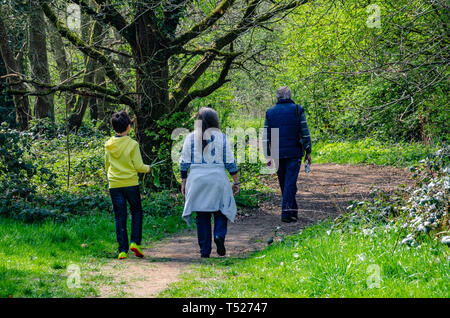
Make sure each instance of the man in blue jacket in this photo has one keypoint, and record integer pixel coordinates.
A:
(293, 141)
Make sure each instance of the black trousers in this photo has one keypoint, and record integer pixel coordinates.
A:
(204, 235)
(119, 198)
(288, 169)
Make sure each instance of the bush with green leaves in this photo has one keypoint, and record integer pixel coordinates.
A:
(418, 211)
(33, 174)
(163, 175)
(42, 128)
(16, 171)
(163, 203)
(18, 194)
(426, 210)
(248, 198)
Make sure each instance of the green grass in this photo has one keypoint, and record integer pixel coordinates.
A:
(370, 151)
(34, 258)
(315, 264)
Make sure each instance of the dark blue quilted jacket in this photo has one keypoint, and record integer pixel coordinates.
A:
(283, 116)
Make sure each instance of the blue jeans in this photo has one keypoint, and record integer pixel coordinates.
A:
(119, 198)
(203, 221)
(288, 169)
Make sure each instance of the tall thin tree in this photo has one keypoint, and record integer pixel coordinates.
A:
(44, 104)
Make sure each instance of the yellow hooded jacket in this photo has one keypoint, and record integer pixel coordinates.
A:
(123, 162)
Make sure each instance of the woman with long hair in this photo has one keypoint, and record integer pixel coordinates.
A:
(207, 154)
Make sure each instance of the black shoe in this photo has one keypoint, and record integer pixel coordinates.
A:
(294, 216)
(286, 219)
(220, 242)
(204, 256)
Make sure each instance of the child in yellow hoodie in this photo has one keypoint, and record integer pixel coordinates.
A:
(123, 162)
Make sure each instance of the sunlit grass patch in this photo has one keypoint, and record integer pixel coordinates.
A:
(370, 151)
(339, 264)
(35, 258)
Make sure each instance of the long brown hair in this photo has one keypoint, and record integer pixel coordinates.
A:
(209, 119)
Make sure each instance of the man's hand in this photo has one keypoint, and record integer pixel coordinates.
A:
(183, 186)
(308, 158)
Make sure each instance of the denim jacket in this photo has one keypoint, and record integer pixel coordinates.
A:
(192, 155)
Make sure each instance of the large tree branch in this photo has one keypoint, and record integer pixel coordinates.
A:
(172, 13)
(249, 19)
(88, 93)
(202, 51)
(123, 54)
(204, 24)
(183, 86)
(221, 80)
(93, 90)
(107, 14)
(85, 48)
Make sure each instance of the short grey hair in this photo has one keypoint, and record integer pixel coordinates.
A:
(284, 93)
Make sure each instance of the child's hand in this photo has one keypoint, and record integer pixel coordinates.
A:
(183, 186)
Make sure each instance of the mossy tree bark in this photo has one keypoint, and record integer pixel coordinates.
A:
(44, 104)
(21, 102)
(62, 63)
(92, 36)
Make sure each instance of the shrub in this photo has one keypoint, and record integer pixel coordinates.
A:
(31, 182)
(421, 210)
(162, 203)
(426, 209)
(15, 170)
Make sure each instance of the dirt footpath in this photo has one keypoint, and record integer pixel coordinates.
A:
(323, 193)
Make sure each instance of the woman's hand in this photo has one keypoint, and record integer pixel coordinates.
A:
(183, 186)
(235, 184)
(236, 188)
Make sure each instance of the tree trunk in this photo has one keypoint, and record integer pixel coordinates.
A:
(44, 106)
(94, 38)
(6, 100)
(153, 97)
(153, 105)
(103, 109)
(20, 101)
(59, 53)
(152, 88)
(85, 102)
